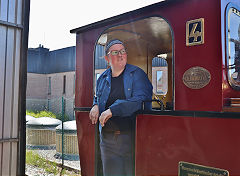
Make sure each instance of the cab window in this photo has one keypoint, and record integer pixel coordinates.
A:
(160, 75)
(233, 41)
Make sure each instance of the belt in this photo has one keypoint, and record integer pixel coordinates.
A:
(117, 132)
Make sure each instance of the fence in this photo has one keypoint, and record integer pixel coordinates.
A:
(54, 105)
(65, 150)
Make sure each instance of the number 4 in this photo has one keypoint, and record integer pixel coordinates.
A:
(197, 30)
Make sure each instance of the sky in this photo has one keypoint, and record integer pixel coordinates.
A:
(51, 20)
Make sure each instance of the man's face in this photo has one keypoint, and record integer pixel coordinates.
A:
(118, 61)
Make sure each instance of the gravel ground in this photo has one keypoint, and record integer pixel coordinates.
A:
(51, 156)
(34, 171)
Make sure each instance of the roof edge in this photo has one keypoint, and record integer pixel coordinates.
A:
(120, 16)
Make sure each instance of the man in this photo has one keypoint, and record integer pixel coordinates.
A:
(120, 92)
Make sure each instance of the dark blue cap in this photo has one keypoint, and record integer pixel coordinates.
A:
(111, 43)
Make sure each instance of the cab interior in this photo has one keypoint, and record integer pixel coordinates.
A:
(149, 44)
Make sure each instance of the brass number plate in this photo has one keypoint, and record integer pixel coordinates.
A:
(195, 32)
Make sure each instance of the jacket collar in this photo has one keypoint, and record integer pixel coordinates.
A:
(128, 69)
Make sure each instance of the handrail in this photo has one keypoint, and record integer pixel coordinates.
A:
(158, 101)
(82, 109)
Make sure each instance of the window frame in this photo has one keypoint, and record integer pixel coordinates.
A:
(229, 10)
(49, 85)
(64, 84)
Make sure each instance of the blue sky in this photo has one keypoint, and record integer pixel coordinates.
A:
(51, 20)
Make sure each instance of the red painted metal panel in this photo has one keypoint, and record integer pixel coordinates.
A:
(86, 143)
(163, 141)
(84, 98)
(207, 55)
(84, 70)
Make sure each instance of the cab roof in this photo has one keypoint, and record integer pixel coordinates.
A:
(122, 16)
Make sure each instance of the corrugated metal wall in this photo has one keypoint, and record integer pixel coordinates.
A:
(13, 30)
(61, 60)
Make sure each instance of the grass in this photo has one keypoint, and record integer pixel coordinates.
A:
(38, 114)
(36, 160)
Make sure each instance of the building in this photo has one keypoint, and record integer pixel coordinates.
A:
(51, 80)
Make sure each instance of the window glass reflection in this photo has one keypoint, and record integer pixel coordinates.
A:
(234, 48)
(159, 76)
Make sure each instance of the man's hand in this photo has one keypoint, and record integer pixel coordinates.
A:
(94, 113)
(105, 116)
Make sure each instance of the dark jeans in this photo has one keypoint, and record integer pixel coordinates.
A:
(117, 153)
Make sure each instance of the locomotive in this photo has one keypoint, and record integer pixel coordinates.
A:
(190, 50)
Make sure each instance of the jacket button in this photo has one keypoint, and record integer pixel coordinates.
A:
(129, 89)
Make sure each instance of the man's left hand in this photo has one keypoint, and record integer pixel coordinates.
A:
(105, 116)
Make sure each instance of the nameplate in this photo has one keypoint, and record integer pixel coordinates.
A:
(190, 169)
(196, 77)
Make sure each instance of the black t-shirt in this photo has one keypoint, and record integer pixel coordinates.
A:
(117, 92)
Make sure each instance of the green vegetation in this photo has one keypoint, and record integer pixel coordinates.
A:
(36, 160)
(38, 114)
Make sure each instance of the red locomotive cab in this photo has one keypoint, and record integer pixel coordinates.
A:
(190, 51)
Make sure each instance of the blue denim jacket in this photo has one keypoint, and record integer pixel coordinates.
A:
(137, 88)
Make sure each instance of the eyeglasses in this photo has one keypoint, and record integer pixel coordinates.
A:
(116, 52)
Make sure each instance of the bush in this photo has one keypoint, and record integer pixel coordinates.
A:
(38, 114)
(59, 116)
